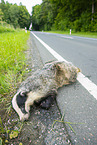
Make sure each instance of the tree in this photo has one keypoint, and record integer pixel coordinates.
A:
(16, 15)
(4, 7)
(65, 14)
(94, 5)
(43, 16)
(2, 1)
(36, 17)
(24, 19)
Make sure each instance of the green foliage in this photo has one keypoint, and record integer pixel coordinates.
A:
(18, 16)
(77, 25)
(12, 70)
(36, 17)
(24, 17)
(13, 134)
(1, 15)
(12, 59)
(64, 15)
(6, 28)
(93, 26)
(13, 12)
(43, 16)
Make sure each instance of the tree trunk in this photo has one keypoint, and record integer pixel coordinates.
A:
(92, 9)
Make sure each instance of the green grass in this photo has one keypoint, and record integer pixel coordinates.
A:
(82, 34)
(12, 60)
(13, 44)
(4, 27)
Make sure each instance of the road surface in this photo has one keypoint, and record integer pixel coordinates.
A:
(75, 101)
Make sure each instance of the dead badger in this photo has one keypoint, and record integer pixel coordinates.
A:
(42, 86)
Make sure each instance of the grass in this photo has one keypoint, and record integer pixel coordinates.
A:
(4, 27)
(64, 122)
(13, 44)
(12, 59)
(81, 34)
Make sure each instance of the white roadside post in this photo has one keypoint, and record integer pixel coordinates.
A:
(70, 31)
(25, 29)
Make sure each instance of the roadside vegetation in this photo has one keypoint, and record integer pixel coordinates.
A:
(13, 44)
(18, 16)
(4, 27)
(80, 34)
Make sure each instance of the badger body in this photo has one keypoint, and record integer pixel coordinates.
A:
(43, 84)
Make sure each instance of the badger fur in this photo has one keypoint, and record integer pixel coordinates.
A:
(41, 85)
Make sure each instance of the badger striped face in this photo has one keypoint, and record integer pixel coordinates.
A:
(21, 99)
(18, 103)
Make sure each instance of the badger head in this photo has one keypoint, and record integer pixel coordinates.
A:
(66, 73)
(18, 103)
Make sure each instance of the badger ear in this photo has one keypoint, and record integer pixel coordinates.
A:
(58, 68)
(23, 94)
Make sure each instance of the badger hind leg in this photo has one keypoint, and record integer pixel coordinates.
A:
(46, 101)
(46, 104)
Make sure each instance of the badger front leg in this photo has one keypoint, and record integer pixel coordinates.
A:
(46, 103)
(32, 96)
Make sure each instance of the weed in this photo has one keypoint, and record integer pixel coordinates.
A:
(69, 123)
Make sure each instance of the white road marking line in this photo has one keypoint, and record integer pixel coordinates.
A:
(88, 85)
(54, 53)
(67, 37)
(84, 81)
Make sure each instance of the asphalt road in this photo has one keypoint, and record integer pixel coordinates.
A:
(78, 105)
